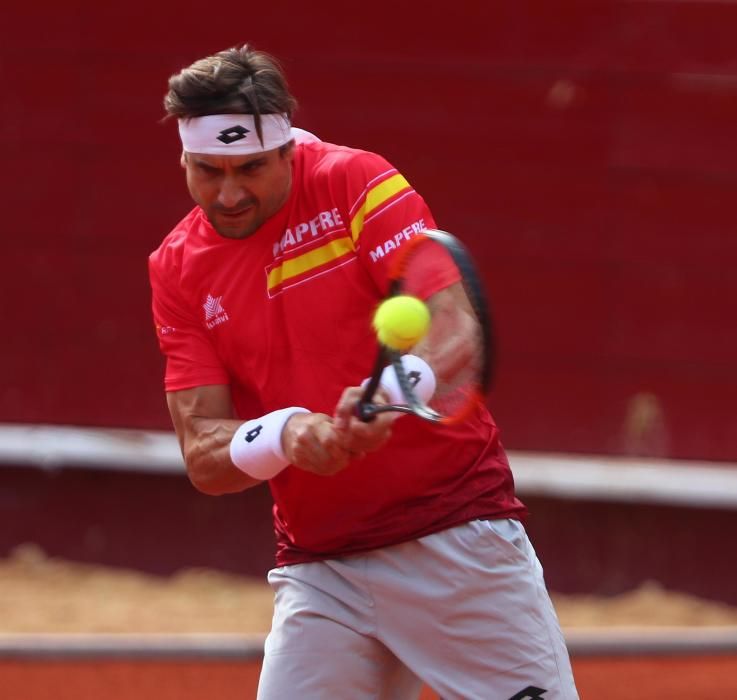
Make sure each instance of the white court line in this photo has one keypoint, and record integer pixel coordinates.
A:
(684, 483)
(56, 446)
(597, 477)
(591, 641)
(96, 646)
(635, 641)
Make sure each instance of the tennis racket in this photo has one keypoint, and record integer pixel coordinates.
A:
(459, 344)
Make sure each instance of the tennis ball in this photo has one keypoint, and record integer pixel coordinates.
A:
(401, 321)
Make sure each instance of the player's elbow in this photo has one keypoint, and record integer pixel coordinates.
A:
(214, 477)
(203, 475)
(203, 482)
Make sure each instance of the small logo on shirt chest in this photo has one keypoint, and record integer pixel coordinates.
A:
(215, 314)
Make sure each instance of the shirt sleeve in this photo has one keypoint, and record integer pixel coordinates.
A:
(191, 360)
(385, 212)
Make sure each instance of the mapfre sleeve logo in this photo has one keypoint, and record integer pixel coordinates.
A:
(396, 240)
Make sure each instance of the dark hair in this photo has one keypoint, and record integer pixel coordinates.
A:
(239, 80)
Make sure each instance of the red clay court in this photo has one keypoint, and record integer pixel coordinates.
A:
(598, 678)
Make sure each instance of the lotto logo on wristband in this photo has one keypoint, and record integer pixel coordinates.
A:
(252, 434)
(264, 458)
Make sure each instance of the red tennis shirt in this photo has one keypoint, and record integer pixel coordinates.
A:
(283, 318)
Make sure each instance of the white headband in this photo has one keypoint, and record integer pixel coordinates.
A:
(233, 134)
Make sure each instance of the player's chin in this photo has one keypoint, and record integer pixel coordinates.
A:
(234, 229)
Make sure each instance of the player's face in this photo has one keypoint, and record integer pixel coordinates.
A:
(239, 193)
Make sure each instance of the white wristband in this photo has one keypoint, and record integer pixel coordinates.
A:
(256, 446)
(418, 372)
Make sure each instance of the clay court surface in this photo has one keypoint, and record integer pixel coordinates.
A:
(598, 679)
(42, 595)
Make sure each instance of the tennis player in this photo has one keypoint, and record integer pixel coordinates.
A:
(401, 558)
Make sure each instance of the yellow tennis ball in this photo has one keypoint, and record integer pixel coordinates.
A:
(400, 322)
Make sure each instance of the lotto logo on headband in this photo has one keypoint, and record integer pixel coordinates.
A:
(226, 134)
(235, 133)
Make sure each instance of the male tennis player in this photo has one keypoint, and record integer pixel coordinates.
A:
(400, 554)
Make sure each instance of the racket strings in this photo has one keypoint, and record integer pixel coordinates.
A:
(460, 386)
(454, 348)
(436, 268)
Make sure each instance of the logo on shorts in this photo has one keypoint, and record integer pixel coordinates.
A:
(215, 314)
(529, 693)
(233, 134)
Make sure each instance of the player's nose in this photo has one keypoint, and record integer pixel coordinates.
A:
(231, 192)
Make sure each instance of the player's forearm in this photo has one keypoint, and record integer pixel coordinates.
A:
(206, 450)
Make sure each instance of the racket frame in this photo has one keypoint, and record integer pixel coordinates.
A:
(366, 410)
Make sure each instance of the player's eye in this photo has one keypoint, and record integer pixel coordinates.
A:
(252, 166)
(207, 169)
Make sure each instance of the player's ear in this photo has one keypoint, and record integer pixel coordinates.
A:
(183, 159)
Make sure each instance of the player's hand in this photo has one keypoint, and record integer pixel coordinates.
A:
(310, 442)
(353, 434)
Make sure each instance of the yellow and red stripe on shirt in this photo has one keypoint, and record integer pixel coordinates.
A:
(324, 256)
(379, 195)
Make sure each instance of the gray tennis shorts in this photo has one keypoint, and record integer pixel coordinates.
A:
(464, 610)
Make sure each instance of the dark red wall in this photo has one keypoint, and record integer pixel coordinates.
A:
(585, 150)
(158, 523)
